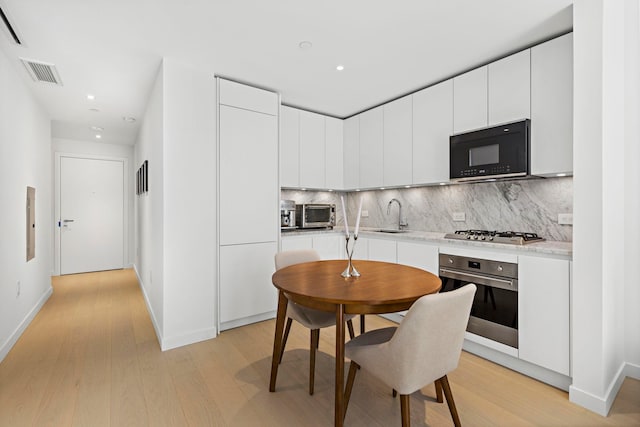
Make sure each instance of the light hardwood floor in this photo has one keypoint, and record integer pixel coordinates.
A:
(91, 358)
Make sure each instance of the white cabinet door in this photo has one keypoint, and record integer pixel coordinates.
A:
(289, 151)
(352, 153)
(398, 141)
(312, 150)
(552, 106)
(246, 292)
(371, 148)
(361, 249)
(248, 176)
(543, 312)
(329, 246)
(248, 97)
(509, 91)
(470, 100)
(334, 153)
(432, 127)
(292, 243)
(418, 255)
(382, 250)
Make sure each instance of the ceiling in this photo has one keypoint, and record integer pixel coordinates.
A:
(113, 49)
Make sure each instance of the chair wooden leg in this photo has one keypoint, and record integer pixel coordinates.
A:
(404, 409)
(444, 381)
(353, 368)
(362, 324)
(439, 398)
(315, 337)
(352, 333)
(284, 338)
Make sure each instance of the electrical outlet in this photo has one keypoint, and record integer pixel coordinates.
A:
(365, 214)
(565, 218)
(459, 216)
(18, 289)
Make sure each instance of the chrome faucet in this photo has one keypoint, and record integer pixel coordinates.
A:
(401, 221)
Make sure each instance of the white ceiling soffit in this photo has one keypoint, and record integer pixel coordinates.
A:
(41, 71)
(6, 22)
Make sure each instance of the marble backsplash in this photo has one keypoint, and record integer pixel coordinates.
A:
(524, 205)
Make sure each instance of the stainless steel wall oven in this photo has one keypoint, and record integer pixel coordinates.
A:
(494, 313)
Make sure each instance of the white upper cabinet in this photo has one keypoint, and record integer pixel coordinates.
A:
(432, 126)
(289, 146)
(334, 153)
(312, 150)
(552, 106)
(248, 97)
(509, 91)
(398, 140)
(352, 152)
(371, 148)
(470, 100)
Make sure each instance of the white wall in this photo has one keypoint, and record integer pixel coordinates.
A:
(68, 146)
(190, 273)
(632, 187)
(176, 220)
(600, 277)
(148, 208)
(25, 150)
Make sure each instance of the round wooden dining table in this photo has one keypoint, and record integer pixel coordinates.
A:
(381, 288)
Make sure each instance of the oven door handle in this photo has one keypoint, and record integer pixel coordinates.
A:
(509, 285)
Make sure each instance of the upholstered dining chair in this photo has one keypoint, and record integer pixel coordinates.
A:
(424, 348)
(307, 317)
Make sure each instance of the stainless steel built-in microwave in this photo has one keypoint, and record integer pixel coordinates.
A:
(497, 152)
(318, 215)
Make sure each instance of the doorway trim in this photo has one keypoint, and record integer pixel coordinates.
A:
(56, 213)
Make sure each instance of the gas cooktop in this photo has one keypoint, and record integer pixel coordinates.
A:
(508, 237)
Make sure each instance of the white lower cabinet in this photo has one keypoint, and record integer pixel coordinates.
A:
(293, 243)
(543, 312)
(382, 250)
(246, 292)
(419, 255)
(330, 246)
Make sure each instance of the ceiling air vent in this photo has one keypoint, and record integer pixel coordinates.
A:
(42, 72)
(13, 34)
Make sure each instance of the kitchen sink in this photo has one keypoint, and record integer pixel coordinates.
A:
(391, 230)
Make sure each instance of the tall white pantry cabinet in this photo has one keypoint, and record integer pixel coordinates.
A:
(248, 183)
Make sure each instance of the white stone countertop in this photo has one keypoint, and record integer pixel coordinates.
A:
(548, 247)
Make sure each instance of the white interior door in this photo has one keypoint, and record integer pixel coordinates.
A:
(91, 215)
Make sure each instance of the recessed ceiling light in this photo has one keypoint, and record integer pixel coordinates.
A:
(305, 44)
(129, 119)
(382, 188)
(442, 183)
(98, 136)
(303, 189)
(561, 174)
(94, 110)
(407, 186)
(97, 128)
(91, 97)
(340, 67)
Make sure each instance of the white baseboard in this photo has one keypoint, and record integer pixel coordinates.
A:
(177, 341)
(149, 307)
(186, 339)
(632, 371)
(602, 405)
(13, 338)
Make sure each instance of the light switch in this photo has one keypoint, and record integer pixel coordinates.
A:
(459, 216)
(565, 218)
